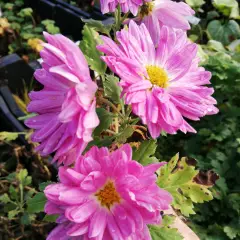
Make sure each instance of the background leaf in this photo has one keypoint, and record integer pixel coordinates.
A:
(111, 88)
(37, 203)
(88, 45)
(178, 179)
(105, 118)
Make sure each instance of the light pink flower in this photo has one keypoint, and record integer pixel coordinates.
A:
(164, 84)
(164, 12)
(126, 5)
(66, 105)
(106, 196)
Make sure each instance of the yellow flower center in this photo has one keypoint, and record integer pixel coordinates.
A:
(108, 195)
(157, 76)
(146, 9)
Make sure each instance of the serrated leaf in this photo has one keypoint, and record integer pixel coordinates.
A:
(195, 3)
(225, 33)
(13, 193)
(100, 142)
(4, 198)
(52, 29)
(167, 220)
(88, 45)
(51, 218)
(125, 134)
(11, 177)
(164, 233)
(23, 177)
(178, 179)
(8, 136)
(98, 26)
(13, 213)
(26, 219)
(228, 7)
(43, 185)
(105, 118)
(145, 152)
(111, 88)
(36, 204)
(25, 12)
(232, 232)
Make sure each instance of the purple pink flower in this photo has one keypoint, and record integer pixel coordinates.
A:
(106, 196)
(66, 105)
(164, 12)
(126, 5)
(164, 84)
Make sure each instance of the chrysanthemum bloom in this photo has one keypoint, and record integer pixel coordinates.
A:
(164, 12)
(66, 105)
(106, 196)
(126, 5)
(164, 84)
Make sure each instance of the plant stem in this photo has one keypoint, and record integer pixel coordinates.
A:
(104, 100)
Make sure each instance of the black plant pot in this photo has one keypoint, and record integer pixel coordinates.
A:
(67, 17)
(15, 74)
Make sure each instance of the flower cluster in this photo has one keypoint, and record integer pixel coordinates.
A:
(107, 195)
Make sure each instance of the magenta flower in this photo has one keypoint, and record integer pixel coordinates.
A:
(106, 196)
(126, 5)
(66, 105)
(163, 85)
(164, 12)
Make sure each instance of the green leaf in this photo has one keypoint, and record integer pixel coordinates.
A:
(4, 198)
(216, 46)
(124, 135)
(177, 177)
(88, 46)
(164, 233)
(228, 7)
(98, 26)
(47, 22)
(36, 204)
(50, 218)
(13, 193)
(23, 177)
(52, 29)
(13, 213)
(25, 12)
(232, 232)
(225, 33)
(100, 142)
(167, 220)
(144, 154)
(43, 185)
(105, 118)
(195, 3)
(11, 177)
(111, 88)
(8, 136)
(26, 219)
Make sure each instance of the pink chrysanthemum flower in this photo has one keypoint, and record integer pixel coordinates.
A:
(126, 5)
(164, 12)
(106, 196)
(164, 84)
(66, 105)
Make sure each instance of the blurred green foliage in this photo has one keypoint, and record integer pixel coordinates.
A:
(216, 146)
(24, 27)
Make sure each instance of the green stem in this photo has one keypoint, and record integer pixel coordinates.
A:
(117, 16)
(21, 195)
(104, 100)
(123, 107)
